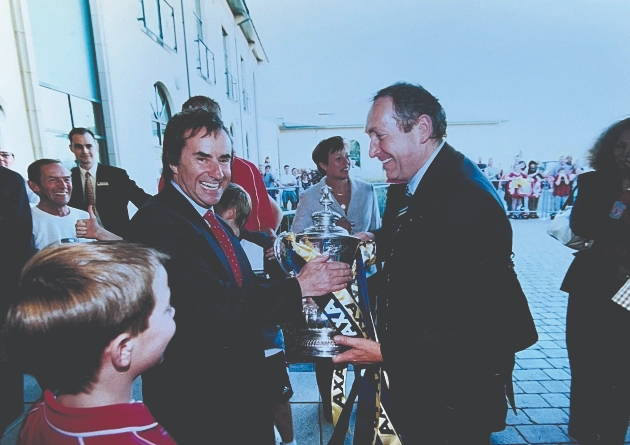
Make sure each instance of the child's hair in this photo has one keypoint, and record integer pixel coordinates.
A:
(235, 196)
(73, 300)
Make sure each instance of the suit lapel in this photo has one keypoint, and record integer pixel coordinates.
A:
(77, 189)
(182, 206)
(435, 176)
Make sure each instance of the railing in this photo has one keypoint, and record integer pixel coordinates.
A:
(205, 62)
(246, 101)
(158, 18)
(231, 86)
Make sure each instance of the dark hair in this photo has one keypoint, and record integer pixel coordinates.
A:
(182, 127)
(324, 148)
(73, 300)
(80, 131)
(411, 102)
(34, 170)
(197, 102)
(235, 196)
(601, 156)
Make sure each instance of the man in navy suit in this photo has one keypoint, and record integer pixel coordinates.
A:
(210, 387)
(112, 190)
(450, 313)
(16, 246)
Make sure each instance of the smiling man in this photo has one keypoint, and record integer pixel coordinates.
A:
(209, 388)
(108, 189)
(447, 337)
(53, 219)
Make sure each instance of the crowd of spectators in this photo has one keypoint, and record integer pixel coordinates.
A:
(287, 187)
(525, 186)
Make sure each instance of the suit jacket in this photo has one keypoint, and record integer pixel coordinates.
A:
(216, 353)
(16, 246)
(113, 192)
(362, 211)
(595, 270)
(443, 309)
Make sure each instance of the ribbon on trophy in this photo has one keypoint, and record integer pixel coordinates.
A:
(349, 311)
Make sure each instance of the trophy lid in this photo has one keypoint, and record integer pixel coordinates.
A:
(325, 219)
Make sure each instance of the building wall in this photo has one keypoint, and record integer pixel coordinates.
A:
(16, 133)
(130, 61)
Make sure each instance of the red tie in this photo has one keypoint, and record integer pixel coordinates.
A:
(226, 245)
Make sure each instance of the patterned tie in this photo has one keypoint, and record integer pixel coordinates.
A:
(226, 245)
(406, 202)
(89, 191)
(89, 197)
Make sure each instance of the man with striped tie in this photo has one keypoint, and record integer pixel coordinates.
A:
(447, 337)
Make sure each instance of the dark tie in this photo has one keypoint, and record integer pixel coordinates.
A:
(226, 245)
(406, 201)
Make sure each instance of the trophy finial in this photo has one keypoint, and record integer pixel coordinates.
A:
(325, 199)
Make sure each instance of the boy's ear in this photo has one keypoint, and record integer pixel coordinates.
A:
(120, 350)
(229, 214)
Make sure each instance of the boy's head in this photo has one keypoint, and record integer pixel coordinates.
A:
(84, 307)
(234, 207)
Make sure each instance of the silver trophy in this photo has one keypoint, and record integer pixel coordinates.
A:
(314, 338)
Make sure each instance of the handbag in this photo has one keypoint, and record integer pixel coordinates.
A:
(560, 229)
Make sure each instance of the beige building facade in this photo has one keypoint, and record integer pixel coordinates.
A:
(121, 68)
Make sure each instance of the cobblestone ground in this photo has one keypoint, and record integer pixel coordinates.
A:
(541, 376)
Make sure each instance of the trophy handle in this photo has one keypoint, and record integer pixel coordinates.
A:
(280, 251)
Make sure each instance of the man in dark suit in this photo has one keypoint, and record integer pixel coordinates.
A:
(16, 246)
(108, 188)
(210, 388)
(447, 286)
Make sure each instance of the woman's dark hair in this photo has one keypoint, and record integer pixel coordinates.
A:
(601, 156)
(531, 169)
(326, 147)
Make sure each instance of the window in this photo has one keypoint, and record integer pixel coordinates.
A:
(205, 57)
(158, 18)
(60, 113)
(230, 81)
(160, 113)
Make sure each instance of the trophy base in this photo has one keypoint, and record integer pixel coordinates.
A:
(310, 346)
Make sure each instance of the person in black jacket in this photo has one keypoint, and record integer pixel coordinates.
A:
(216, 354)
(597, 329)
(111, 188)
(444, 338)
(16, 247)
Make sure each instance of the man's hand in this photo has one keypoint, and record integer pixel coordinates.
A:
(363, 352)
(319, 277)
(270, 254)
(89, 228)
(364, 236)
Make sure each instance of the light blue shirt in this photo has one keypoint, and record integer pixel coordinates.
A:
(201, 210)
(415, 181)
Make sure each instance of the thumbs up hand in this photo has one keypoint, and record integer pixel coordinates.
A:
(90, 229)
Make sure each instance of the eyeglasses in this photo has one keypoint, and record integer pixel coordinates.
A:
(6, 154)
